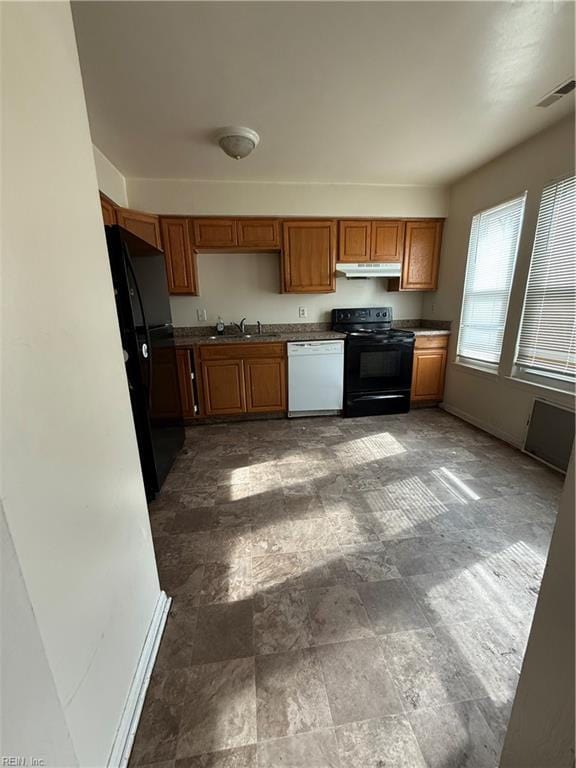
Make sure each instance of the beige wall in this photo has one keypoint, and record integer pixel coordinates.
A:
(246, 285)
(71, 484)
(229, 198)
(494, 401)
(541, 729)
(110, 180)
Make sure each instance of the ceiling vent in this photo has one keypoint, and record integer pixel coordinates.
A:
(557, 93)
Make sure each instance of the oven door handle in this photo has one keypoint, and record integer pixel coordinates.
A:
(378, 397)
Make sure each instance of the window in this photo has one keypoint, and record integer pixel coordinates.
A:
(547, 343)
(491, 258)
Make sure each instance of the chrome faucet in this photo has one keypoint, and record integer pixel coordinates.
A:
(259, 324)
(241, 325)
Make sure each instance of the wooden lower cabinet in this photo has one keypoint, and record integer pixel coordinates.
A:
(265, 385)
(243, 378)
(429, 369)
(184, 366)
(224, 391)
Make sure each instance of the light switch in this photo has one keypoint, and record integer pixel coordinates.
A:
(201, 314)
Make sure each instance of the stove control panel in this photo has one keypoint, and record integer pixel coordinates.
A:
(366, 315)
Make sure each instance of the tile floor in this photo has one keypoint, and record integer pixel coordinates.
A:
(347, 594)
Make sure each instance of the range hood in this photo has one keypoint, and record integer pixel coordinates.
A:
(368, 269)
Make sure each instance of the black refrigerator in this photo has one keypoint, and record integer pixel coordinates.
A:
(143, 306)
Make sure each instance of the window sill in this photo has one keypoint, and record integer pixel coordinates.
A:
(484, 370)
(532, 382)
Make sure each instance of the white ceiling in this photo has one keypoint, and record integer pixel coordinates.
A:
(382, 92)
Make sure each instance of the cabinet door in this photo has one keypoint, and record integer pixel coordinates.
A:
(108, 210)
(309, 256)
(215, 233)
(258, 233)
(265, 385)
(223, 382)
(428, 374)
(387, 241)
(180, 258)
(144, 225)
(185, 382)
(354, 241)
(421, 255)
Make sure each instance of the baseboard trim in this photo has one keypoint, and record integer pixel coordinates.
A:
(124, 740)
(499, 433)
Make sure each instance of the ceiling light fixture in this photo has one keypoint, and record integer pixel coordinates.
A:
(237, 141)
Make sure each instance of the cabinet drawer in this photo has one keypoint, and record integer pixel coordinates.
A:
(431, 342)
(241, 351)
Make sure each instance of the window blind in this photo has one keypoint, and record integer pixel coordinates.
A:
(492, 253)
(547, 343)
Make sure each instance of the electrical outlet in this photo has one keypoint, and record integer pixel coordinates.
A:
(302, 312)
(201, 314)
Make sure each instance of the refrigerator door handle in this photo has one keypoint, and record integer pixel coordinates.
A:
(146, 349)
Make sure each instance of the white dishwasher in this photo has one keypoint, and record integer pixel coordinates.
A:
(315, 377)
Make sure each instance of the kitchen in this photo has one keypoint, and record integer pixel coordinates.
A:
(287, 407)
(233, 368)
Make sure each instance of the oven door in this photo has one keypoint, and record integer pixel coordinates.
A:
(378, 365)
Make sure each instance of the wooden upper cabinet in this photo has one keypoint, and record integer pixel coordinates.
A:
(309, 256)
(421, 255)
(108, 210)
(215, 233)
(387, 241)
(258, 233)
(180, 257)
(144, 225)
(354, 241)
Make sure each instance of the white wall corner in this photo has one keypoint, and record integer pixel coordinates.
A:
(110, 181)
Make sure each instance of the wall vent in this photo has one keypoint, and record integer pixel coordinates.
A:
(557, 93)
(550, 434)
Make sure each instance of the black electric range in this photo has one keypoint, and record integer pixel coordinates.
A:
(377, 361)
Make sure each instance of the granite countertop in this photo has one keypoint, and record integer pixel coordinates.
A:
(182, 340)
(194, 336)
(431, 331)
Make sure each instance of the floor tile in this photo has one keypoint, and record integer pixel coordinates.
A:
(391, 607)
(229, 543)
(357, 680)
(313, 533)
(227, 582)
(240, 757)
(371, 565)
(281, 622)
(306, 750)
(455, 736)
(159, 723)
(323, 568)
(290, 694)
(175, 650)
(197, 519)
(182, 581)
(270, 538)
(181, 549)
(388, 741)
(275, 573)
(220, 708)
(337, 614)
(223, 632)
(425, 670)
